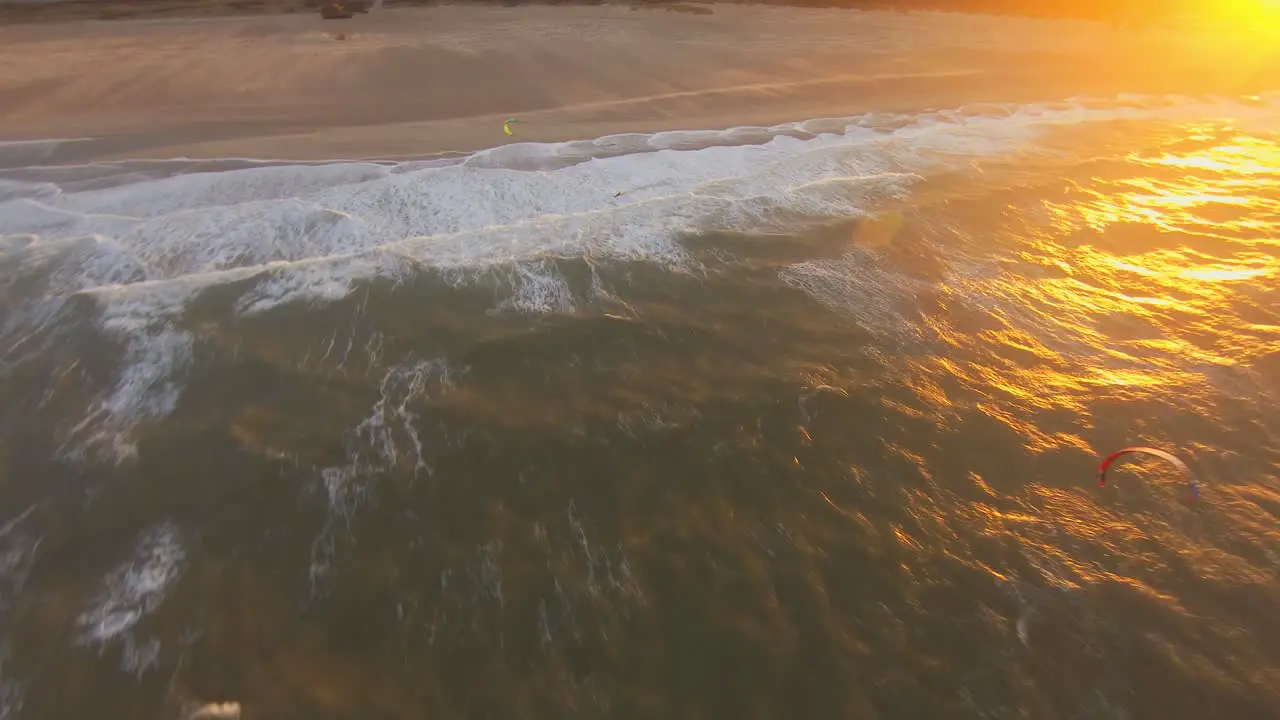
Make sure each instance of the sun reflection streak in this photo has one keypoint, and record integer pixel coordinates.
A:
(1152, 290)
(1133, 298)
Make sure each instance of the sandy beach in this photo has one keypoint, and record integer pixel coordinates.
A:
(419, 81)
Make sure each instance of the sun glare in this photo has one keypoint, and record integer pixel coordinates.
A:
(1258, 14)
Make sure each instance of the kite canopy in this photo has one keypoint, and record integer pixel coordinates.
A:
(1155, 452)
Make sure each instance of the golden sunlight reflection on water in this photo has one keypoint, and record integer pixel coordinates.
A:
(1152, 290)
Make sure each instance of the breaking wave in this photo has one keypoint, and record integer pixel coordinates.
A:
(139, 241)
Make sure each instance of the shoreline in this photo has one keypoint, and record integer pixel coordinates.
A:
(413, 83)
(57, 11)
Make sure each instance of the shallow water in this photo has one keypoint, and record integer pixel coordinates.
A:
(778, 422)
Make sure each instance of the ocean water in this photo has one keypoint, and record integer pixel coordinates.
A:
(798, 421)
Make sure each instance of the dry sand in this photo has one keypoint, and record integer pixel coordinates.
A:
(419, 81)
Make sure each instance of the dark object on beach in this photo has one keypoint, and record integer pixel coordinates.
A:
(335, 11)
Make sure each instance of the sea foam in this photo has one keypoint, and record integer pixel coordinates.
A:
(142, 239)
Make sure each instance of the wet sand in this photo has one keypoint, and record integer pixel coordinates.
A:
(421, 81)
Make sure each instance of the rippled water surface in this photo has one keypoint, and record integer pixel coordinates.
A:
(797, 425)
